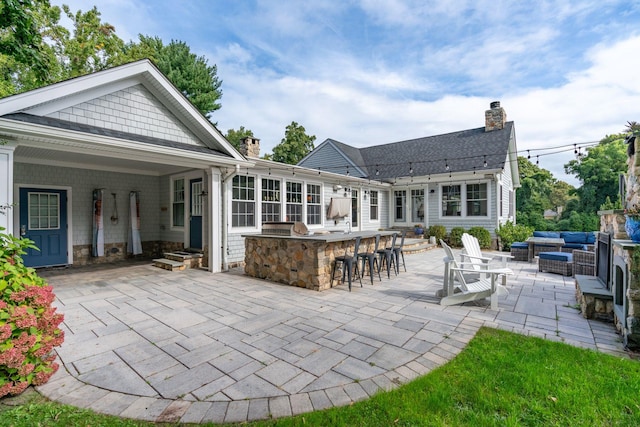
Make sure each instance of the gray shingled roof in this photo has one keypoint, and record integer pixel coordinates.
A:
(79, 127)
(463, 151)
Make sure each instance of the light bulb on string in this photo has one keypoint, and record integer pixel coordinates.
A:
(485, 161)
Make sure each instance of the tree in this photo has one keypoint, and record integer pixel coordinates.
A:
(22, 49)
(236, 136)
(294, 146)
(93, 47)
(192, 75)
(599, 172)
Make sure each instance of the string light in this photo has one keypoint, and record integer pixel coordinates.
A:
(446, 164)
(377, 171)
(410, 168)
(485, 161)
(347, 170)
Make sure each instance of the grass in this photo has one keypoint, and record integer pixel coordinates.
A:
(499, 379)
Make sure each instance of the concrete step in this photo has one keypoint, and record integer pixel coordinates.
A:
(189, 259)
(168, 264)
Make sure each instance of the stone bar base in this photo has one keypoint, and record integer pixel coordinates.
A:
(114, 252)
(305, 262)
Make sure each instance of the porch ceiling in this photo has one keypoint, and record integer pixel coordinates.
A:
(36, 155)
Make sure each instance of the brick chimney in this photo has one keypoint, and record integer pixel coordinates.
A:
(494, 118)
(250, 147)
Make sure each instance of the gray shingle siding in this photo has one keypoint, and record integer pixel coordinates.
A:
(133, 110)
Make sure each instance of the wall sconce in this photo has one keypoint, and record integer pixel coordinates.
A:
(337, 188)
(432, 191)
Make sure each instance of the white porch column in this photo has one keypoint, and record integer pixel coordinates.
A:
(214, 212)
(6, 186)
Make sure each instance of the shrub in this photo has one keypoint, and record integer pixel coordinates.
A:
(437, 231)
(455, 236)
(28, 323)
(510, 233)
(483, 236)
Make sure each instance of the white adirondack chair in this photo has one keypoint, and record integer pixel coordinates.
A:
(459, 290)
(480, 262)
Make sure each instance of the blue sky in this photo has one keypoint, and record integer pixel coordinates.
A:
(370, 72)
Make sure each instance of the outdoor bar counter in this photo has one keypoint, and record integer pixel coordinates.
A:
(304, 261)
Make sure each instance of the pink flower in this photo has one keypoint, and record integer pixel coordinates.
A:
(5, 332)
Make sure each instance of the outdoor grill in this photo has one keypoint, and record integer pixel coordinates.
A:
(284, 228)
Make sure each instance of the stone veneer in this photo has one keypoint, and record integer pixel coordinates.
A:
(118, 251)
(630, 328)
(305, 263)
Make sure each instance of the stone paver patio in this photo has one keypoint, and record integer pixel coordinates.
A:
(193, 347)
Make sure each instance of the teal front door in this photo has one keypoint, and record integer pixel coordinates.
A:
(43, 219)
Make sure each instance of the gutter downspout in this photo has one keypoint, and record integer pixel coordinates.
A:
(225, 221)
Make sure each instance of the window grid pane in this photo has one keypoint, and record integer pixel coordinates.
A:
(178, 202)
(451, 200)
(44, 211)
(271, 208)
(477, 199)
(294, 201)
(314, 209)
(373, 205)
(243, 206)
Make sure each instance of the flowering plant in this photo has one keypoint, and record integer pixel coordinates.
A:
(633, 212)
(28, 323)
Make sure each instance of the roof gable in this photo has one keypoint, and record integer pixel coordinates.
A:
(463, 151)
(132, 99)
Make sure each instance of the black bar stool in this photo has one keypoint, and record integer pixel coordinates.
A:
(349, 262)
(386, 256)
(371, 259)
(397, 251)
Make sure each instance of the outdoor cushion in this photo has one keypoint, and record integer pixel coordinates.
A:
(548, 234)
(556, 256)
(574, 236)
(591, 238)
(575, 246)
(520, 245)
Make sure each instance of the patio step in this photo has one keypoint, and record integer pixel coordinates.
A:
(416, 246)
(178, 261)
(168, 264)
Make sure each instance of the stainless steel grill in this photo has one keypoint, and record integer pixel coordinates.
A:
(284, 228)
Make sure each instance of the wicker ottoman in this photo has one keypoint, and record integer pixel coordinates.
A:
(556, 262)
(520, 251)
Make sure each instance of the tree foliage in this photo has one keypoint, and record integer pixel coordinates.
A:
(599, 172)
(236, 136)
(294, 146)
(25, 59)
(35, 50)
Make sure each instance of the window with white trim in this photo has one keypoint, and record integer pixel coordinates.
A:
(243, 203)
(294, 201)
(400, 204)
(177, 203)
(271, 203)
(373, 205)
(477, 201)
(314, 208)
(451, 200)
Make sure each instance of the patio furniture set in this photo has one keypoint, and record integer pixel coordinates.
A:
(558, 251)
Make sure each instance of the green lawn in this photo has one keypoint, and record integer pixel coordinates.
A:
(500, 379)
